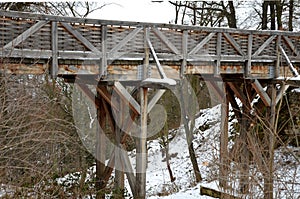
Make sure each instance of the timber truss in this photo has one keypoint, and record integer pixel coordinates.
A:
(114, 54)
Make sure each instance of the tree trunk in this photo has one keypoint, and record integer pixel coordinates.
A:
(291, 13)
(100, 152)
(189, 135)
(279, 14)
(273, 15)
(231, 16)
(264, 24)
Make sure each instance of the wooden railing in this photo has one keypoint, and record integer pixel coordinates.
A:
(33, 43)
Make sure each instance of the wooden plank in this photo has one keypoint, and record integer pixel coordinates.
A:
(166, 41)
(264, 45)
(22, 37)
(37, 17)
(155, 99)
(103, 68)
(278, 57)
(129, 171)
(202, 43)
(291, 45)
(234, 43)
(141, 147)
(146, 68)
(121, 90)
(219, 51)
(261, 92)
(80, 38)
(224, 154)
(122, 43)
(184, 52)
(235, 107)
(237, 91)
(281, 93)
(292, 68)
(54, 46)
(249, 61)
(216, 90)
(90, 95)
(106, 96)
(158, 65)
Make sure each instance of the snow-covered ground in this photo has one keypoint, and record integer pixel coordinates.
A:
(206, 145)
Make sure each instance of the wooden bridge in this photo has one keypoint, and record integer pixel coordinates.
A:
(117, 53)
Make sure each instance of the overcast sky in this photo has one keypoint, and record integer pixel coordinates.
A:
(136, 10)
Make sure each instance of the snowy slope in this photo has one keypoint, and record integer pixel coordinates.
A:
(206, 147)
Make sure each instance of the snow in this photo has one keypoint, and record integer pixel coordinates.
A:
(206, 145)
(163, 81)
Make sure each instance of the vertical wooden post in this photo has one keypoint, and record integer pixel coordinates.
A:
(102, 70)
(146, 68)
(141, 149)
(249, 61)
(278, 56)
(268, 181)
(54, 46)
(119, 169)
(219, 49)
(100, 149)
(224, 163)
(184, 52)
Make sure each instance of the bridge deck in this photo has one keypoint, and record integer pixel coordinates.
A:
(116, 50)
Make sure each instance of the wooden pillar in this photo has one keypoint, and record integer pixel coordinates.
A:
(224, 156)
(119, 169)
(141, 149)
(100, 150)
(271, 138)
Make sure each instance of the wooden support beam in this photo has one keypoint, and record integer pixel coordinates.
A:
(234, 104)
(141, 149)
(202, 43)
(291, 45)
(292, 68)
(281, 92)
(103, 71)
(129, 171)
(165, 40)
(224, 154)
(125, 95)
(264, 45)
(100, 150)
(212, 85)
(261, 92)
(155, 99)
(22, 37)
(184, 53)
(249, 60)
(54, 48)
(278, 57)
(147, 67)
(106, 96)
(90, 95)
(80, 38)
(232, 41)
(237, 91)
(219, 52)
(122, 43)
(158, 65)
